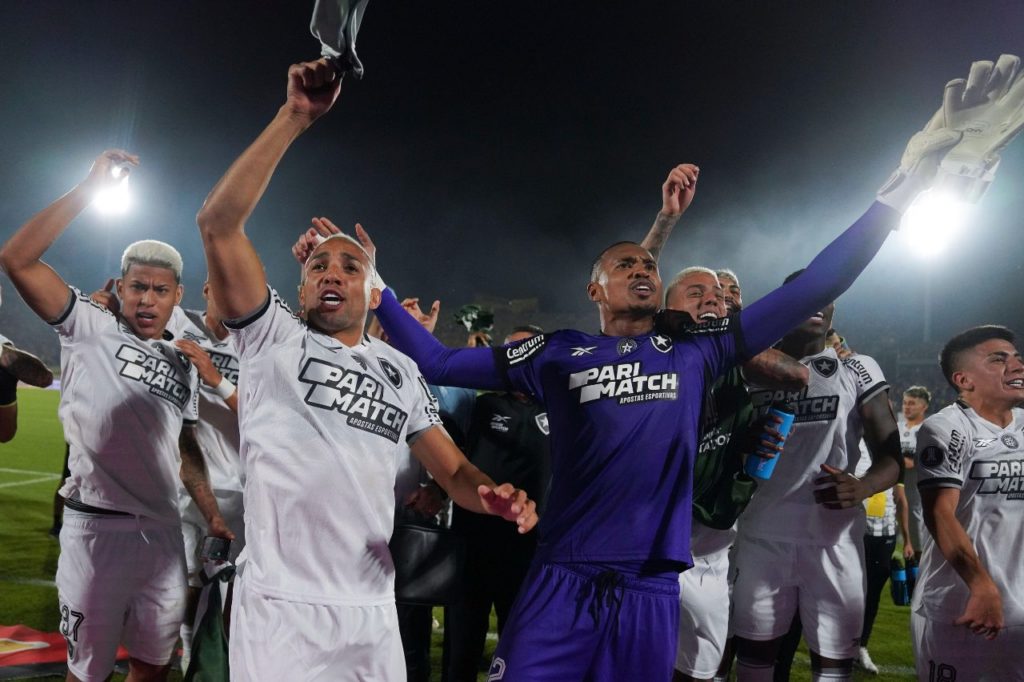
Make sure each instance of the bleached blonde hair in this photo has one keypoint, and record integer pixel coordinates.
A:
(152, 252)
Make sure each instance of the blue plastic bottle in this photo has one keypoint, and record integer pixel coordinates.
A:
(759, 467)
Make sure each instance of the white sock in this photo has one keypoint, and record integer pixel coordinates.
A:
(832, 674)
(752, 671)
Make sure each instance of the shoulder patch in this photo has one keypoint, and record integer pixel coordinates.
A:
(516, 355)
(932, 456)
(825, 366)
(719, 326)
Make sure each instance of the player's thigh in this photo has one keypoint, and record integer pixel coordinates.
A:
(764, 590)
(273, 639)
(703, 615)
(947, 653)
(551, 633)
(157, 607)
(94, 587)
(832, 598)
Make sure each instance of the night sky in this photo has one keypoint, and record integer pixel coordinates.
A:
(494, 148)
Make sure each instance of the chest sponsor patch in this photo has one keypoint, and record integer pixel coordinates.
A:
(1005, 477)
(625, 382)
(226, 364)
(357, 396)
(158, 374)
(806, 408)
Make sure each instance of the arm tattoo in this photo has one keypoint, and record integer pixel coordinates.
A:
(659, 232)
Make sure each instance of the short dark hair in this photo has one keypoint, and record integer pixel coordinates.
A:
(526, 328)
(793, 275)
(949, 358)
(595, 267)
(919, 392)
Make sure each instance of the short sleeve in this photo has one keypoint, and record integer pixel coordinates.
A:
(190, 413)
(271, 324)
(940, 455)
(423, 412)
(520, 365)
(82, 317)
(869, 377)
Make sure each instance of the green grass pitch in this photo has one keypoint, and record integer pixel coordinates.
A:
(29, 471)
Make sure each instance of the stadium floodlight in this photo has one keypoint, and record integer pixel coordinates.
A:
(932, 221)
(114, 200)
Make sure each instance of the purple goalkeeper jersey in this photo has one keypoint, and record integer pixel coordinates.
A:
(624, 414)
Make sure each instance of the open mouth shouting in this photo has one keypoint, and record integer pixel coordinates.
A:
(331, 300)
(642, 287)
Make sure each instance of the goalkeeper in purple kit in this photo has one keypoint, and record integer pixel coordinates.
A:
(601, 600)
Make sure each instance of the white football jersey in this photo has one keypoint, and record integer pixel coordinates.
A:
(217, 431)
(956, 448)
(826, 430)
(323, 426)
(123, 402)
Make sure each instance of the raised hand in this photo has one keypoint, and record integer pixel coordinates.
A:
(429, 319)
(510, 504)
(312, 88)
(107, 298)
(678, 189)
(109, 169)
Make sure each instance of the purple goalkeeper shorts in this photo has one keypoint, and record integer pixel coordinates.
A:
(589, 622)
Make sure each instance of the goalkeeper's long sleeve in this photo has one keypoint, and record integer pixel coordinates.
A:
(440, 365)
(830, 274)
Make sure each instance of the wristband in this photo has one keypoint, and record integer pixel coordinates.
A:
(224, 389)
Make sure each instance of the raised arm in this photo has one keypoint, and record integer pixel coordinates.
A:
(676, 194)
(440, 365)
(830, 274)
(775, 369)
(237, 280)
(40, 286)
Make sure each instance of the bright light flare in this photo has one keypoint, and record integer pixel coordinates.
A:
(115, 200)
(932, 222)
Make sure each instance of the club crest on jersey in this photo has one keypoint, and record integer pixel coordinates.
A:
(391, 372)
(661, 343)
(1009, 441)
(542, 423)
(159, 375)
(826, 367)
(580, 351)
(625, 382)
(1005, 477)
(358, 396)
(626, 345)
